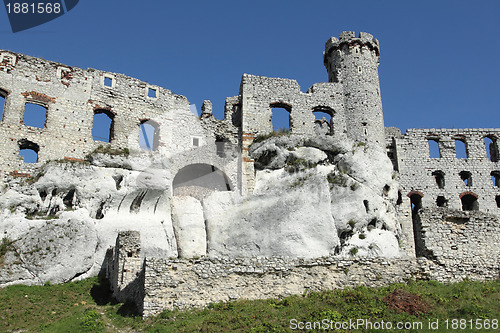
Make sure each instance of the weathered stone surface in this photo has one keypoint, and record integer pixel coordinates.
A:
(189, 227)
(50, 250)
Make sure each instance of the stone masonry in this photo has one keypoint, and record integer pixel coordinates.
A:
(448, 206)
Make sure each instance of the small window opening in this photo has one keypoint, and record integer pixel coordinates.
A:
(469, 202)
(3, 95)
(497, 199)
(108, 81)
(281, 118)
(196, 142)
(103, 125)
(495, 178)
(439, 177)
(220, 144)
(360, 69)
(466, 176)
(151, 92)
(149, 135)
(34, 115)
(441, 201)
(130, 254)
(490, 143)
(460, 149)
(434, 148)
(43, 195)
(29, 151)
(416, 203)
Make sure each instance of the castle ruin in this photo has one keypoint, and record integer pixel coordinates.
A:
(447, 206)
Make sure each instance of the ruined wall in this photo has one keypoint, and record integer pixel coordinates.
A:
(410, 155)
(72, 96)
(181, 284)
(458, 244)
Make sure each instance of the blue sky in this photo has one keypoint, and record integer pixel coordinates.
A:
(439, 59)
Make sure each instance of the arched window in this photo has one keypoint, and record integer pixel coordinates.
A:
(35, 115)
(491, 146)
(439, 177)
(281, 118)
(3, 96)
(323, 123)
(466, 176)
(460, 148)
(434, 148)
(28, 150)
(149, 136)
(469, 201)
(103, 125)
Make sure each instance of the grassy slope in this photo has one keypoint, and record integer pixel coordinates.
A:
(86, 306)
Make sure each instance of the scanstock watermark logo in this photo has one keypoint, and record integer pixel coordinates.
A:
(26, 14)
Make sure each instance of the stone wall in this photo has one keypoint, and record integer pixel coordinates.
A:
(417, 170)
(181, 284)
(72, 96)
(458, 244)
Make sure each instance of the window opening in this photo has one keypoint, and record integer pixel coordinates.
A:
(466, 176)
(497, 199)
(495, 178)
(439, 176)
(460, 149)
(34, 115)
(491, 146)
(441, 201)
(322, 122)
(469, 202)
(434, 148)
(220, 144)
(29, 151)
(151, 92)
(149, 135)
(108, 82)
(196, 142)
(3, 95)
(103, 125)
(280, 118)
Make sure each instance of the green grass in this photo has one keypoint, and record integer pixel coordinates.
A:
(86, 306)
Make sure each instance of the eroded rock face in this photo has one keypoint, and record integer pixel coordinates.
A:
(361, 189)
(313, 197)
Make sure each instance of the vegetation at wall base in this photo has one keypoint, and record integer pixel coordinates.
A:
(87, 306)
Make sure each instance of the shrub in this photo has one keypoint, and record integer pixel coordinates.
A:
(263, 137)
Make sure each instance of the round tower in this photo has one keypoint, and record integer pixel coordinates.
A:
(353, 62)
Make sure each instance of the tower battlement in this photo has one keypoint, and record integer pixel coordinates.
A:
(349, 38)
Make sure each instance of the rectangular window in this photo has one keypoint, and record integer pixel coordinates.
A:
(151, 92)
(196, 142)
(108, 82)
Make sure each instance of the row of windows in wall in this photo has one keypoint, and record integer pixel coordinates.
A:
(109, 81)
(461, 149)
(281, 119)
(466, 177)
(469, 202)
